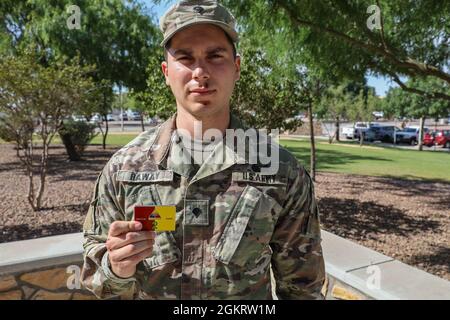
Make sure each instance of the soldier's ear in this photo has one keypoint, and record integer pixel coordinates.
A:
(237, 64)
(165, 71)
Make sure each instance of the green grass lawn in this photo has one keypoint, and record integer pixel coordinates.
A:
(350, 158)
(112, 139)
(373, 161)
(115, 139)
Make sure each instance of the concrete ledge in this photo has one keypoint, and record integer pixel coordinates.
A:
(347, 262)
(19, 256)
(353, 264)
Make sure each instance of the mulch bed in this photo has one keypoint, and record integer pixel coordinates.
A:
(404, 219)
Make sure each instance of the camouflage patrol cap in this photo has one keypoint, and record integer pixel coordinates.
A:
(189, 12)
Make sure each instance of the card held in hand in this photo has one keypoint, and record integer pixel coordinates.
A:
(156, 218)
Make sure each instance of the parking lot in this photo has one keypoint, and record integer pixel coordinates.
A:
(135, 127)
(381, 133)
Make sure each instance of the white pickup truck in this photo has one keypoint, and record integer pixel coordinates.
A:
(348, 132)
(353, 132)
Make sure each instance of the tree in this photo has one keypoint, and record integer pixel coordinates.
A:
(333, 105)
(118, 37)
(157, 99)
(34, 100)
(311, 89)
(400, 103)
(353, 38)
(75, 136)
(134, 103)
(265, 96)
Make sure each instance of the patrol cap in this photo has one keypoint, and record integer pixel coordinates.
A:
(186, 13)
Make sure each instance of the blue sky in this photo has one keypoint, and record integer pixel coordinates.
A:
(381, 84)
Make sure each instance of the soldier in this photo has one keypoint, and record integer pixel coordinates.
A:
(237, 225)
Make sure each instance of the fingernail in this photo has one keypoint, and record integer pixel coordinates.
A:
(138, 225)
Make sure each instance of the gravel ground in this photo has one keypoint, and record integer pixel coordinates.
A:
(407, 220)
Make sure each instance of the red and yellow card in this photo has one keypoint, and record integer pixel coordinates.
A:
(156, 218)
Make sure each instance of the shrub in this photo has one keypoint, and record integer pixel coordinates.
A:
(76, 135)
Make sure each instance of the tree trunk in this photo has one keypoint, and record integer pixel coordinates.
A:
(70, 148)
(313, 146)
(17, 150)
(142, 122)
(361, 137)
(104, 136)
(29, 159)
(337, 125)
(330, 139)
(43, 174)
(420, 142)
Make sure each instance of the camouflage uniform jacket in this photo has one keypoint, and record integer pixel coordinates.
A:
(233, 226)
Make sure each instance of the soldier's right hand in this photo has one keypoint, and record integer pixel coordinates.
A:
(127, 246)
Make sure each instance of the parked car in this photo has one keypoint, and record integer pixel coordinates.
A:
(429, 138)
(370, 134)
(77, 117)
(378, 114)
(152, 121)
(409, 135)
(363, 127)
(348, 132)
(381, 133)
(123, 116)
(442, 138)
(353, 132)
(110, 117)
(300, 116)
(96, 118)
(134, 116)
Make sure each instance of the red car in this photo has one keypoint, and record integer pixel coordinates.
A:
(429, 139)
(442, 138)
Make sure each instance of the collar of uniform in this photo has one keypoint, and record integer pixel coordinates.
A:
(161, 144)
(227, 155)
(236, 123)
(159, 149)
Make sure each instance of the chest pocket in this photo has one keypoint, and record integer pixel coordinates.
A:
(141, 189)
(165, 251)
(246, 235)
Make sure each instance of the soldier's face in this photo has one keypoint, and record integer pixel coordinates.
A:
(201, 70)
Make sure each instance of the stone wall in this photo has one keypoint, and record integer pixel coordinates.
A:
(337, 290)
(52, 283)
(49, 268)
(55, 283)
(304, 129)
